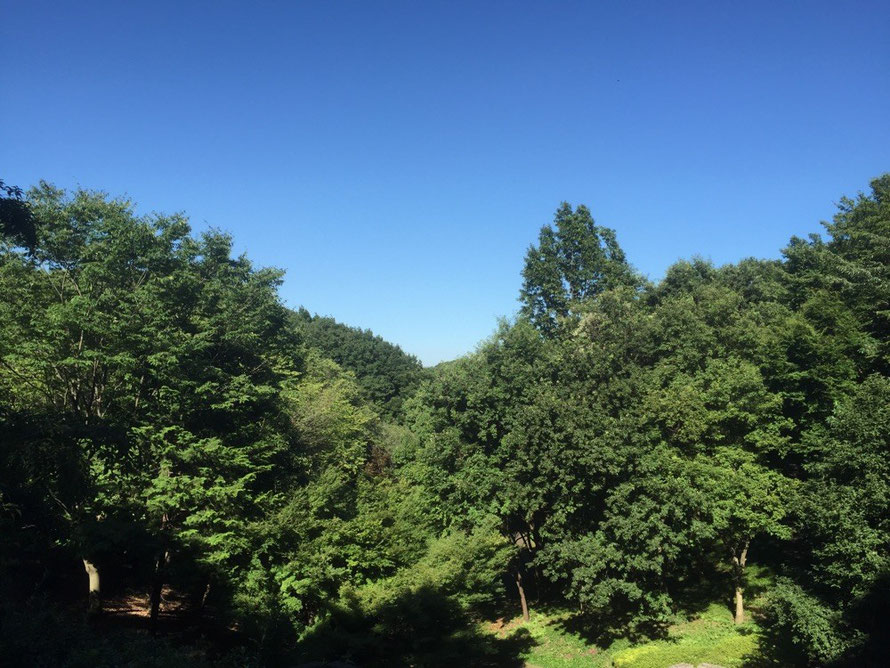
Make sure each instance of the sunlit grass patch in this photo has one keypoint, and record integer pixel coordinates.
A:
(553, 646)
(710, 637)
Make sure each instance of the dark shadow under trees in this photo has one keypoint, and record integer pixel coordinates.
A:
(423, 627)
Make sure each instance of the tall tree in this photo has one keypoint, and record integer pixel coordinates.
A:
(574, 261)
(162, 357)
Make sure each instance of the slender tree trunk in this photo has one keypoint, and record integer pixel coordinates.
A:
(204, 596)
(738, 562)
(157, 585)
(536, 539)
(527, 542)
(522, 600)
(739, 606)
(157, 581)
(198, 602)
(94, 603)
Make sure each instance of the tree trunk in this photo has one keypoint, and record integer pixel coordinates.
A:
(94, 603)
(157, 586)
(205, 595)
(738, 562)
(739, 606)
(199, 602)
(522, 600)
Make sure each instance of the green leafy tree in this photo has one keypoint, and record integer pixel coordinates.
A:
(651, 538)
(162, 358)
(746, 500)
(16, 222)
(852, 266)
(575, 260)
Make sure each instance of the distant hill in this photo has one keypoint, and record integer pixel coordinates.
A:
(386, 373)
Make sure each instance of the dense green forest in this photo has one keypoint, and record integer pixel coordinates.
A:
(193, 474)
(385, 373)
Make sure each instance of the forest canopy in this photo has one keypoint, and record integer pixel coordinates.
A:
(278, 488)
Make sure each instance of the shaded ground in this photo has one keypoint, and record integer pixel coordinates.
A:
(417, 627)
(135, 607)
(177, 621)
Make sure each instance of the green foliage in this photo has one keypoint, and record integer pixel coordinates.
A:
(142, 373)
(422, 627)
(627, 447)
(745, 499)
(652, 534)
(467, 567)
(802, 630)
(386, 374)
(423, 614)
(842, 523)
(16, 222)
(845, 507)
(572, 263)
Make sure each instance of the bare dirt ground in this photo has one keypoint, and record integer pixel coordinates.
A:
(137, 606)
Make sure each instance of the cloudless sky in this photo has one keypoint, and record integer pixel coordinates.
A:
(398, 158)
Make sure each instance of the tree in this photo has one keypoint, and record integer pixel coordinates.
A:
(846, 505)
(163, 358)
(746, 500)
(574, 262)
(16, 222)
(833, 605)
(653, 536)
(484, 444)
(852, 266)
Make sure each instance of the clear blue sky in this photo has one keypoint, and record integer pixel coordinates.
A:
(397, 158)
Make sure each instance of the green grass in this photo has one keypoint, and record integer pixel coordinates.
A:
(711, 637)
(553, 646)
